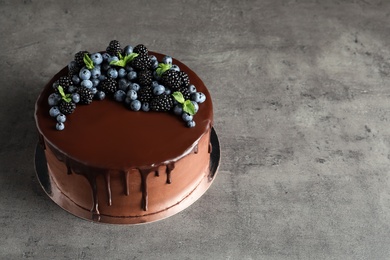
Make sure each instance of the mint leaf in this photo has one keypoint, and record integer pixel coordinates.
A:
(189, 107)
(178, 96)
(88, 62)
(162, 67)
(130, 57)
(66, 97)
(123, 61)
(119, 63)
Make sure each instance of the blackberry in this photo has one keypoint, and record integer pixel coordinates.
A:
(186, 93)
(171, 79)
(145, 94)
(185, 80)
(114, 48)
(73, 69)
(145, 77)
(86, 95)
(64, 82)
(79, 58)
(162, 102)
(67, 107)
(109, 85)
(141, 62)
(141, 49)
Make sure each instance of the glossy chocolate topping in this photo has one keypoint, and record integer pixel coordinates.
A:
(106, 135)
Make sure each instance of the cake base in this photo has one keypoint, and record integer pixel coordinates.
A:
(64, 202)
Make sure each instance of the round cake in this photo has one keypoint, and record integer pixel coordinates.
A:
(139, 150)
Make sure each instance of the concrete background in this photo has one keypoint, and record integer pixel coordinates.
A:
(301, 96)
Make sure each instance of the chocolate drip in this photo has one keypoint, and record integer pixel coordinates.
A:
(108, 183)
(127, 188)
(95, 208)
(196, 149)
(168, 170)
(68, 168)
(156, 173)
(144, 188)
(41, 141)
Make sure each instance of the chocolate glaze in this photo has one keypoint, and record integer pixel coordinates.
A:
(103, 138)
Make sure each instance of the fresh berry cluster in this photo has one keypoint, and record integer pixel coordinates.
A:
(129, 75)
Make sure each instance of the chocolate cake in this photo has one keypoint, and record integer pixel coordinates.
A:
(113, 160)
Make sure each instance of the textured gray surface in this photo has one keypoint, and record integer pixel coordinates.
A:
(301, 98)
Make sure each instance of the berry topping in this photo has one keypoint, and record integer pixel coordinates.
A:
(130, 76)
(162, 102)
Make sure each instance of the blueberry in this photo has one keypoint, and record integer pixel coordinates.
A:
(53, 99)
(132, 94)
(167, 91)
(178, 109)
(128, 100)
(191, 123)
(112, 73)
(128, 50)
(196, 106)
(155, 75)
(54, 111)
(112, 58)
(73, 65)
(198, 97)
(135, 86)
(153, 58)
(72, 89)
(154, 65)
(167, 60)
(122, 73)
(95, 82)
(158, 90)
(145, 107)
(85, 74)
(131, 75)
(86, 83)
(60, 126)
(106, 56)
(123, 84)
(61, 118)
(191, 88)
(154, 83)
(55, 85)
(105, 66)
(102, 77)
(100, 95)
(76, 97)
(186, 117)
(175, 67)
(95, 72)
(128, 68)
(135, 105)
(76, 80)
(119, 95)
(94, 90)
(96, 58)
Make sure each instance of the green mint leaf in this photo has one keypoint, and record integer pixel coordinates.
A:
(178, 96)
(120, 63)
(61, 90)
(130, 57)
(162, 67)
(120, 56)
(88, 62)
(66, 97)
(189, 107)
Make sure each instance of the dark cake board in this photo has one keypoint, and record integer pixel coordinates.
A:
(64, 202)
